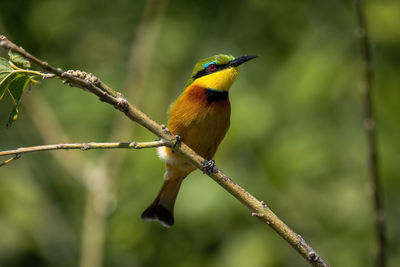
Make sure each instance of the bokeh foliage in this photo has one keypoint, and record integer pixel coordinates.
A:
(296, 138)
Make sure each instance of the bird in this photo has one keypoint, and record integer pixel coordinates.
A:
(200, 117)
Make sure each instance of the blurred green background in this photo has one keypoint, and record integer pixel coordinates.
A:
(296, 139)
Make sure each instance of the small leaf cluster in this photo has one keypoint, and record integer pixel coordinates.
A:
(15, 77)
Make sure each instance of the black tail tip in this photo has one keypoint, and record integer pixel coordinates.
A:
(160, 213)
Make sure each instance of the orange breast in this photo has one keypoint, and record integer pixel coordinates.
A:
(201, 123)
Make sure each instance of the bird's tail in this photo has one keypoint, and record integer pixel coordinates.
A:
(162, 208)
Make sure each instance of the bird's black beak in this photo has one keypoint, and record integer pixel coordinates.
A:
(240, 60)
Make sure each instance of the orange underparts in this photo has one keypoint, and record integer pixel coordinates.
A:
(201, 117)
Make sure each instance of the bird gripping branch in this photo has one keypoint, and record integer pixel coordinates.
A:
(201, 117)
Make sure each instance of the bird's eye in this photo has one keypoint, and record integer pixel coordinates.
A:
(212, 67)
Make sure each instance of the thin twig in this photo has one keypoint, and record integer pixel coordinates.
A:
(83, 146)
(17, 156)
(370, 128)
(262, 211)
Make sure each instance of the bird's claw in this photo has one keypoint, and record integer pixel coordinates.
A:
(178, 140)
(209, 166)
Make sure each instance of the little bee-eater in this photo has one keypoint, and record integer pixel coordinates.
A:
(201, 117)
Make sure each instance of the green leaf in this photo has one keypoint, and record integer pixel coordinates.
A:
(5, 81)
(5, 76)
(13, 117)
(4, 66)
(13, 82)
(17, 86)
(19, 60)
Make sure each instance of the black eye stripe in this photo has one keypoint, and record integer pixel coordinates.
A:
(207, 71)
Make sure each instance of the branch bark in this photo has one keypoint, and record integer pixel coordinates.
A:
(83, 146)
(370, 129)
(106, 94)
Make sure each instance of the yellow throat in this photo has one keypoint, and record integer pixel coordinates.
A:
(220, 80)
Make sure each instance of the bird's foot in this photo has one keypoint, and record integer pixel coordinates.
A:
(209, 166)
(178, 140)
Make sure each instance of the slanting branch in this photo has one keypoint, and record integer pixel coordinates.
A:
(106, 94)
(370, 129)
